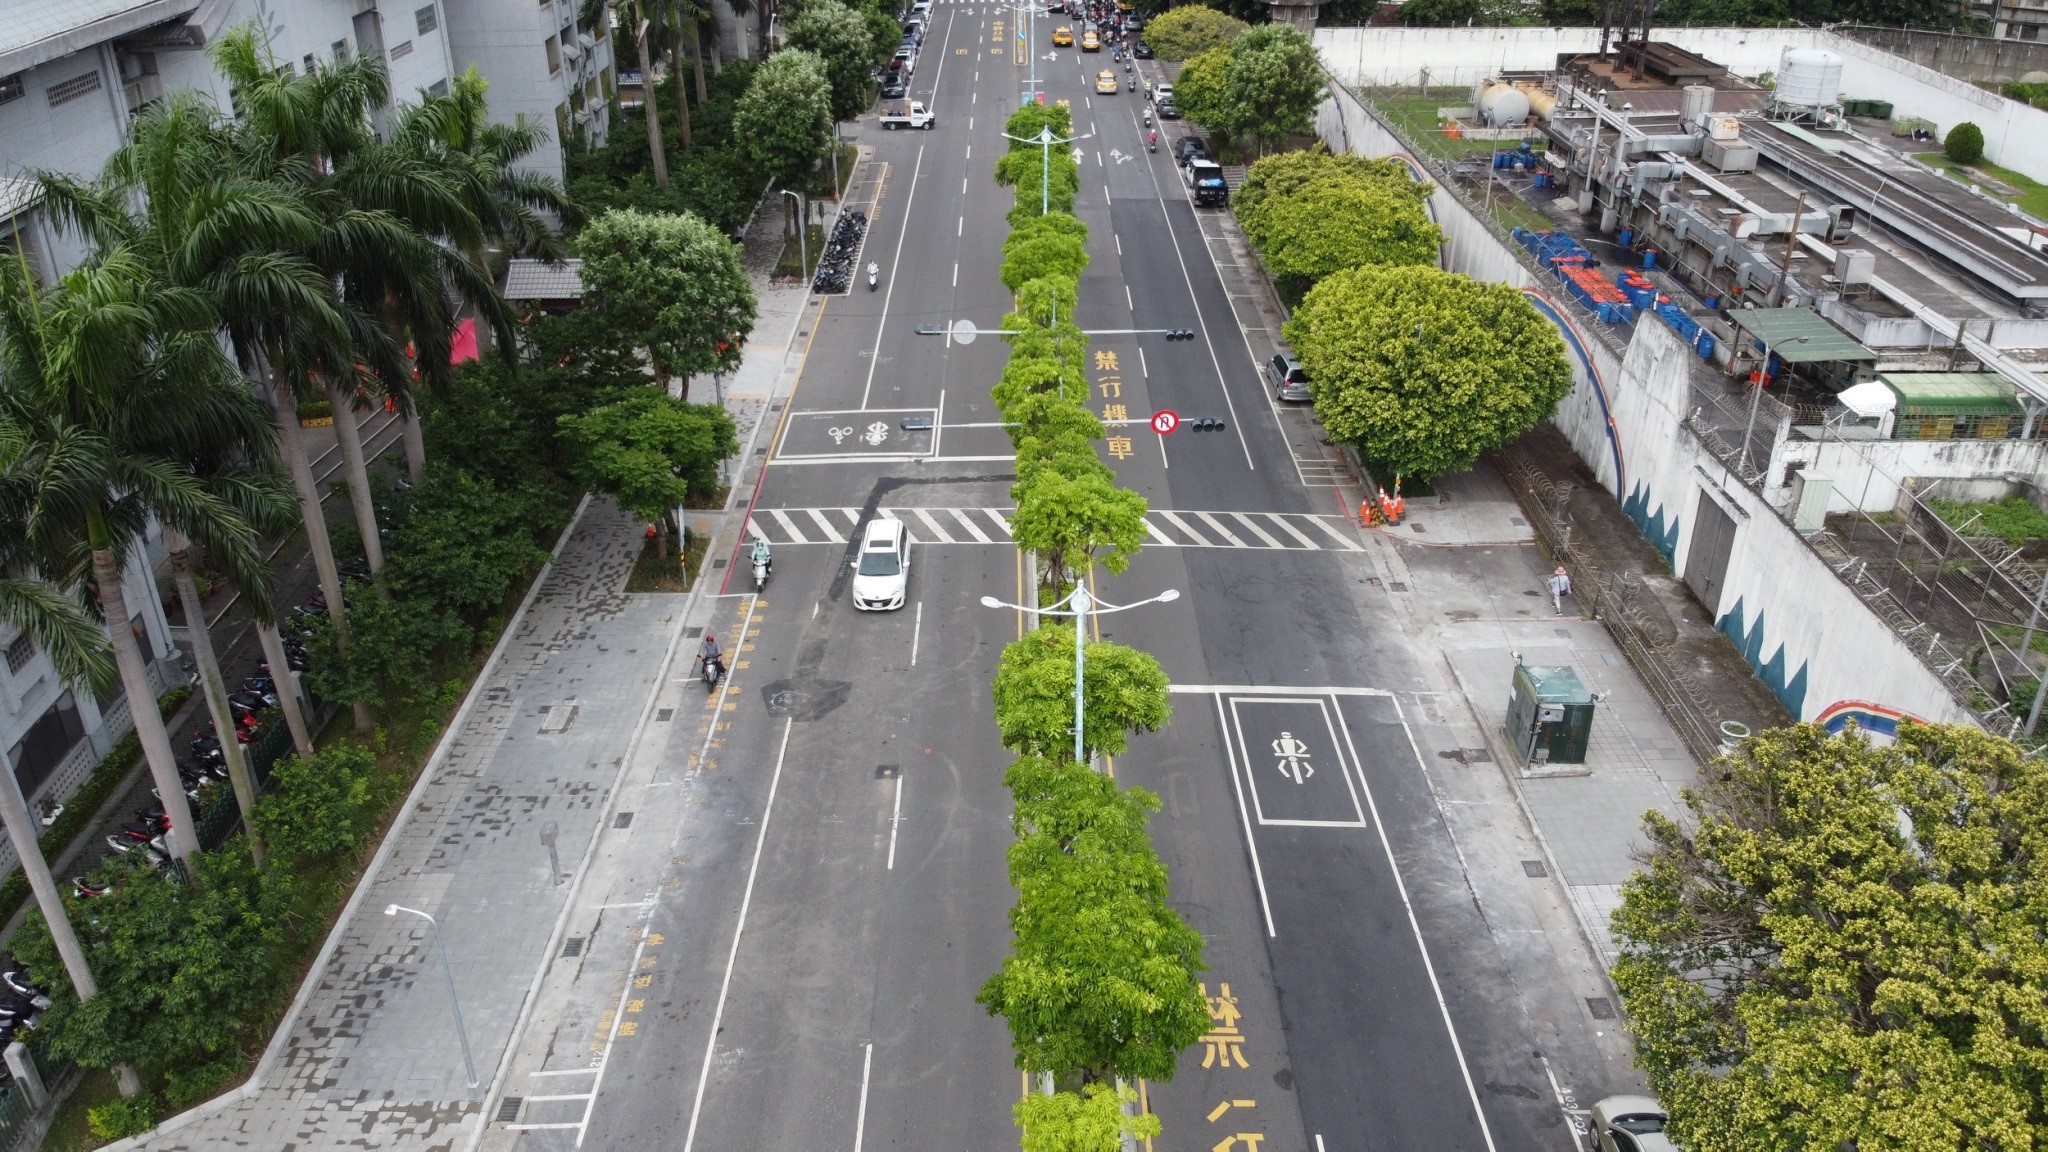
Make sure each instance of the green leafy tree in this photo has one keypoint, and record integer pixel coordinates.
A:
(1964, 143)
(1339, 222)
(1441, 13)
(1030, 254)
(1047, 180)
(838, 36)
(320, 806)
(1276, 178)
(1075, 522)
(1100, 982)
(462, 543)
(1042, 414)
(1274, 84)
(672, 285)
(400, 644)
(1423, 369)
(1845, 946)
(786, 116)
(1190, 30)
(1028, 119)
(1091, 1120)
(649, 450)
(1201, 90)
(1034, 694)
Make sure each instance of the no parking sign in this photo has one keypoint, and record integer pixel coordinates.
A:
(1165, 421)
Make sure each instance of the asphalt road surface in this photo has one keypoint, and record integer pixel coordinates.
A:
(844, 893)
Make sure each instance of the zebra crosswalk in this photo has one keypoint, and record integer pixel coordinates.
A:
(1170, 528)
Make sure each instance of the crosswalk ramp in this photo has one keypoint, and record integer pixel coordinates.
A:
(1169, 528)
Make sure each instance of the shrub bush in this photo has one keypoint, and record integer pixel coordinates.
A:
(1965, 143)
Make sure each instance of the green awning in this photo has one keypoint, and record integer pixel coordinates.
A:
(1952, 393)
(1800, 335)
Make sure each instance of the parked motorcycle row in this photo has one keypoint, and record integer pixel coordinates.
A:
(835, 267)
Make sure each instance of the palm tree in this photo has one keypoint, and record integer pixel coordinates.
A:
(111, 383)
(640, 16)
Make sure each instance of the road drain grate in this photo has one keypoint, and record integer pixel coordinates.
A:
(508, 1109)
(1601, 1007)
(623, 820)
(573, 946)
(1532, 868)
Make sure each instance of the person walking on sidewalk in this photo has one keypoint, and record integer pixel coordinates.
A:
(1560, 587)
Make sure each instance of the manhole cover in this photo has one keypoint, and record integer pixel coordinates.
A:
(1601, 1007)
(623, 820)
(1533, 869)
(665, 714)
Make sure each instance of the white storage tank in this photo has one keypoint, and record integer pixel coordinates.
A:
(1808, 78)
(1698, 104)
(1502, 105)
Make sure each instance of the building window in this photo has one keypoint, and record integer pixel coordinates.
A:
(438, 88)
(46, 744)
(426, 19)
(65, 91)
(401, 51)
(2030, 31)
(340, 50)
(554, 51)
(311, 62)
(561, 121)
(12, 88)
(20, 653)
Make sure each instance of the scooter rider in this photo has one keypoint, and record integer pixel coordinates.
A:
(760, 554)
(711, 656)
(874, 275)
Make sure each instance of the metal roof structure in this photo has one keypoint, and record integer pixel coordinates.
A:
(35, 32)
(1800, 335)
(1959, 393)
(537, 280)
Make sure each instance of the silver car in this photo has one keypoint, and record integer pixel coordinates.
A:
(1630, 1124)
(1289, 379)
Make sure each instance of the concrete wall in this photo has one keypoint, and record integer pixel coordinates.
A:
(1868, 474)
(1975, 59)
(2015, 135)
(1818, 647)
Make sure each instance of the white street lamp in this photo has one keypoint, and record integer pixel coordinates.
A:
(461, 1033)
(1045, 140)
(1080, 605)
(803, 228)
(1763, 379)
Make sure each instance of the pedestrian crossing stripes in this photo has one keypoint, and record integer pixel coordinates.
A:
(1170, 528)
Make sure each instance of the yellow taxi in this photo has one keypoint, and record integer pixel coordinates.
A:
(1090, 42)
(1063, 37)
(1105, 83)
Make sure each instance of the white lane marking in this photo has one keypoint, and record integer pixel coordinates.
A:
(1119, 243)
(1414, 925)
(754, 528)
(1319, 1142)
(970, 152)
(568, 1071)
(1291, 530)
(1002, 521)
(896, 261)
(1339, 537)
(943, 536)
(1105, 200)
(1162, 451)
(1201, 320)
(788, 525)
(1142, 370)
(1273, 689)
(867, 1063)
(962, 229)
(832, 533)
(1237, 786)
(1201, 541)
(916, 630)
(956, 273)
(1256, 530)
(559, 1096)
(1159, 536)
(1127, 300)
(895, 818)
(1226, 533)
(963, 185)
(732, 957)
(968, 524)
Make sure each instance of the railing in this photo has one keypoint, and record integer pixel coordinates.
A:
(224, 815)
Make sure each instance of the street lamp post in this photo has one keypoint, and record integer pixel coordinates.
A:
(1045, 140)
(803, 226)
(1080, 605)
(1763, 377)
(448, 971)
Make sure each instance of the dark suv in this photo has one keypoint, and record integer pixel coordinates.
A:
(1188, 149)
(1289, 378)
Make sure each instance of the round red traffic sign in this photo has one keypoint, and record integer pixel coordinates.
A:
(1165, 421)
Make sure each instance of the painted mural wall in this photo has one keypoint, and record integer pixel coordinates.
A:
(1804, 632)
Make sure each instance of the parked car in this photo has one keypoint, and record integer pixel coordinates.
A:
(881, 577)
(895, 86)
(1105, 83)
(1161, 93)
(1289, 378)
(1205, 179)
(1143, 51)
(1188, 149)
(1167, 110)
(1630, 1124)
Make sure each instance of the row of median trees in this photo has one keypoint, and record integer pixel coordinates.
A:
(239, 267)
(1100, 986)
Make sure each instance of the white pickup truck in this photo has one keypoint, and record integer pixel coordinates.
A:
(907, 114)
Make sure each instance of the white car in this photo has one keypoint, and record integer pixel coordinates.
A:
(881, 576)
(1630, 1124)
(1162, 93)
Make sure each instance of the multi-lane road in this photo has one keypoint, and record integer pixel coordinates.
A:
(837, 892)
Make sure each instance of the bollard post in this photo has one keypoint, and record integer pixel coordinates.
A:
(24, 1068)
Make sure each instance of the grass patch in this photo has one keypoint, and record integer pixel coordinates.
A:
(1514, 212)
(70, 1131)
(1415, 115)
(654, 572)
(2019, 188)
(799, 261)
(2012, 520)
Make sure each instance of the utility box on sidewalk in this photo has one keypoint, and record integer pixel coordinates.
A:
(1550, 715)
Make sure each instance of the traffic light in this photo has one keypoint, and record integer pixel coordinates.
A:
(1180, 333)
(1206, 424)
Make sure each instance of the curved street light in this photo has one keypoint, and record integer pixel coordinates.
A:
(461, 1033)
(1080, 605)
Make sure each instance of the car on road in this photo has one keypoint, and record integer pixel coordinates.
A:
(1161, 93)
(1630, 1124)
(1289, 378)
(1063, 37)
(1143, 51)
(1167, 109)
(1090, 42)
(1105, 83)
(881, 576)
(1205, 180)
(1188, 149)
(895, 86)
